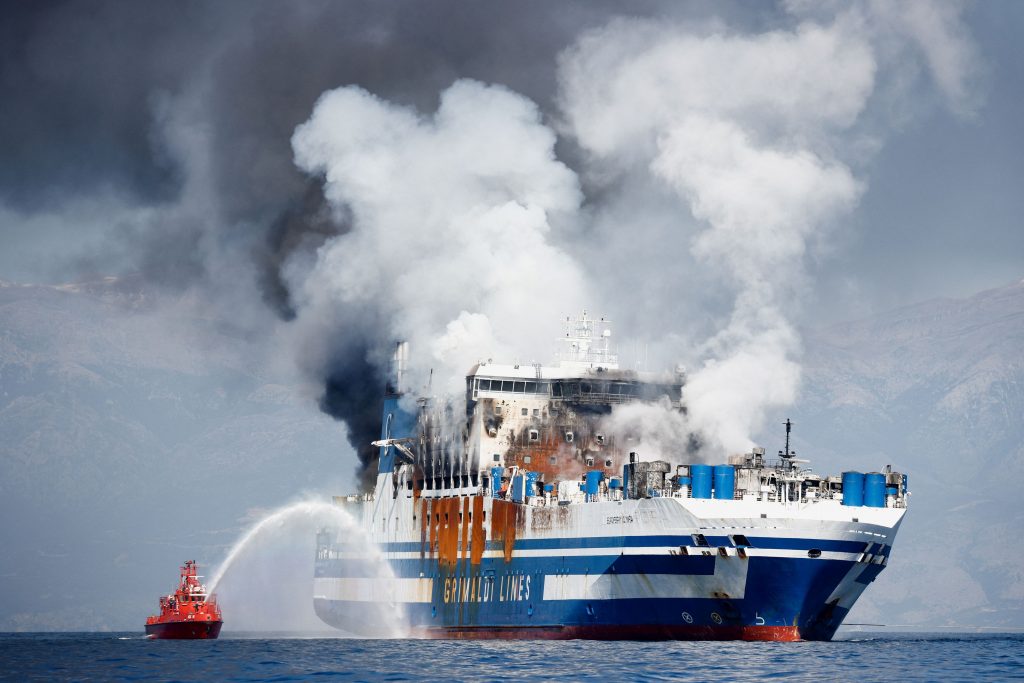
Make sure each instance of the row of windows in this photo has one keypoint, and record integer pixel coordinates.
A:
(571, 388)
(514, 386)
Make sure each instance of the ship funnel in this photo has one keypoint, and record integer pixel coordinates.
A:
(399, 366)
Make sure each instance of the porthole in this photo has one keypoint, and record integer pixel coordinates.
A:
(814, 553)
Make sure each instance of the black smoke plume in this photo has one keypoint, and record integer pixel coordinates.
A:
(353, 393)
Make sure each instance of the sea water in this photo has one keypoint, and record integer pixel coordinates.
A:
(861, 657)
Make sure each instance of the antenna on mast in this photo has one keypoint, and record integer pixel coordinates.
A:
(789, 428)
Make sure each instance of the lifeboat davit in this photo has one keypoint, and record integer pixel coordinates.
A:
(188, 612)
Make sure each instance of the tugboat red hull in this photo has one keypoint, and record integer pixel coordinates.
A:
(184, 630)
(188, 613)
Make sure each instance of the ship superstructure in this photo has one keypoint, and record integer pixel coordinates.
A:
(518, 513)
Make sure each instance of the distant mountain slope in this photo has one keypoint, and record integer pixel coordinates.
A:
(114, 411)
(128, 431)
(936, 389)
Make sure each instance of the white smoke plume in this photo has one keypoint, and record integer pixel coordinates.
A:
(655, 431)
(749, 131)
(734, 154)
(452, 217)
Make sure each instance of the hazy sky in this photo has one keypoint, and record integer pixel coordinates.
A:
(89, 88)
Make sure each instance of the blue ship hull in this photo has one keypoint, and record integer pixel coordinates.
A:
(643, 586)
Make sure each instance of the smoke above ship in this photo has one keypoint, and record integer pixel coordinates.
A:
(684, 174)
(470, 238)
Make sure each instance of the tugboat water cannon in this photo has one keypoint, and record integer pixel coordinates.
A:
(188, 612)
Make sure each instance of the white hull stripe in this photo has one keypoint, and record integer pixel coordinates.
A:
(727, 580)
(376, 590)
(604, 552)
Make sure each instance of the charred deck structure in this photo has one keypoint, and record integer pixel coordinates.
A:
(517, 513)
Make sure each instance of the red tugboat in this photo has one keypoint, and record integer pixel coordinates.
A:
(188, 613)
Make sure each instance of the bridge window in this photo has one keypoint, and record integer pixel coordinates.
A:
(740, 541)
(701, 541)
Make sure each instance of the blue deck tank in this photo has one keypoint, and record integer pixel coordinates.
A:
(615, 483)
(725, 482)
(518, 486)
(853, 489)
(531, 484)
(594, 478)
(874, 490)
(496, 481)
(701, 476)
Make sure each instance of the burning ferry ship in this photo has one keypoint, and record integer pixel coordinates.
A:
(526, 520)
